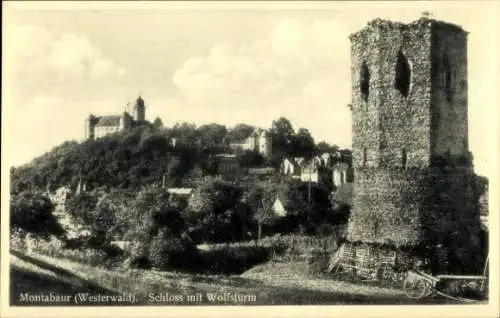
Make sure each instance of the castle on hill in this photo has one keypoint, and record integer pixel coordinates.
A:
(99, 126)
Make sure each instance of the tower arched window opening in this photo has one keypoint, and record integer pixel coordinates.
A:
(403, 75)
(364, 81)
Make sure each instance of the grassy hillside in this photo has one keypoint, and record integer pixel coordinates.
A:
(280, 286)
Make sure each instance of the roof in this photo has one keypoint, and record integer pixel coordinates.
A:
(291, 161)
(299, 160)
(261, 170)
(226, 155)
(108, 121)
(180, 191)
(258, 132)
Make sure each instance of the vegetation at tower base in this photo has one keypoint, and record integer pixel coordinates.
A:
(418, 209)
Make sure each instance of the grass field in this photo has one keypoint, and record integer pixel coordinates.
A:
(269, 284)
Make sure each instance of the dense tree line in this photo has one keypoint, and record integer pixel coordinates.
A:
(144, 155)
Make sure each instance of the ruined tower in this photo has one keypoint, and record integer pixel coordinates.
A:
(413, 192)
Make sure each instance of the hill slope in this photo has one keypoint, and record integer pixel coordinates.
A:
(123, 160)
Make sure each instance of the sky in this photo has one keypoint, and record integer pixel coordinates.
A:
(203, 63)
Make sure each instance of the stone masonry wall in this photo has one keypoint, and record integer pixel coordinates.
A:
(365, 113)
(405, 121)
(416, 208)
(449, 117)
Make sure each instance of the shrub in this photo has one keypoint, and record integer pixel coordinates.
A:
(31, 212)
(318, 261)
(139, 262)
(233, 260)
(107, 257)
(172, 253)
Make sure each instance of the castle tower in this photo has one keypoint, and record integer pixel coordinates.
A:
(89, 127)
(412, 187)
(125, 121)
(139, 110)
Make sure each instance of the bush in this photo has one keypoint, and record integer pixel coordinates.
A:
(234, 260)
(318, 261)
(172, 253)
(139, 262)
(108, 257)
(31, 212)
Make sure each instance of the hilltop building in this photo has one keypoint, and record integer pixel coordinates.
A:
(99, 126)
(413, 197)
(258, 141)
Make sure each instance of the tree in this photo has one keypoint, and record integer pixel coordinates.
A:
(303, 143)
(346, 156)
(158, 123)
(239, 132)
(186, 133)
(89, 214)
(168, 251)
(282, 136)
(31, 212)
(309, 207)
(173, 169)
(212, 213)
(249, 158)
(282, 132)
(324, 147)
(212, 135)
(264, 214)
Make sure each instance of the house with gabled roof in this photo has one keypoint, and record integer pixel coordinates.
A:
(259, 141)
(290, 167)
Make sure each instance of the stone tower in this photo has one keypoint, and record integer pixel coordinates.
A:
(413, 186)
(90, 127)
(139, 110)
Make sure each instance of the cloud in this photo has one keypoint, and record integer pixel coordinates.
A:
(38, 52)
(47, 121)
(295, 71)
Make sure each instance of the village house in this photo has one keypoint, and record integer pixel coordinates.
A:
(342, 173)
(279, 206)
(227, 164)
(180, 192)
(258, 141)
(262, 171)
(290, 168)
(315, 172)
(301, 161)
